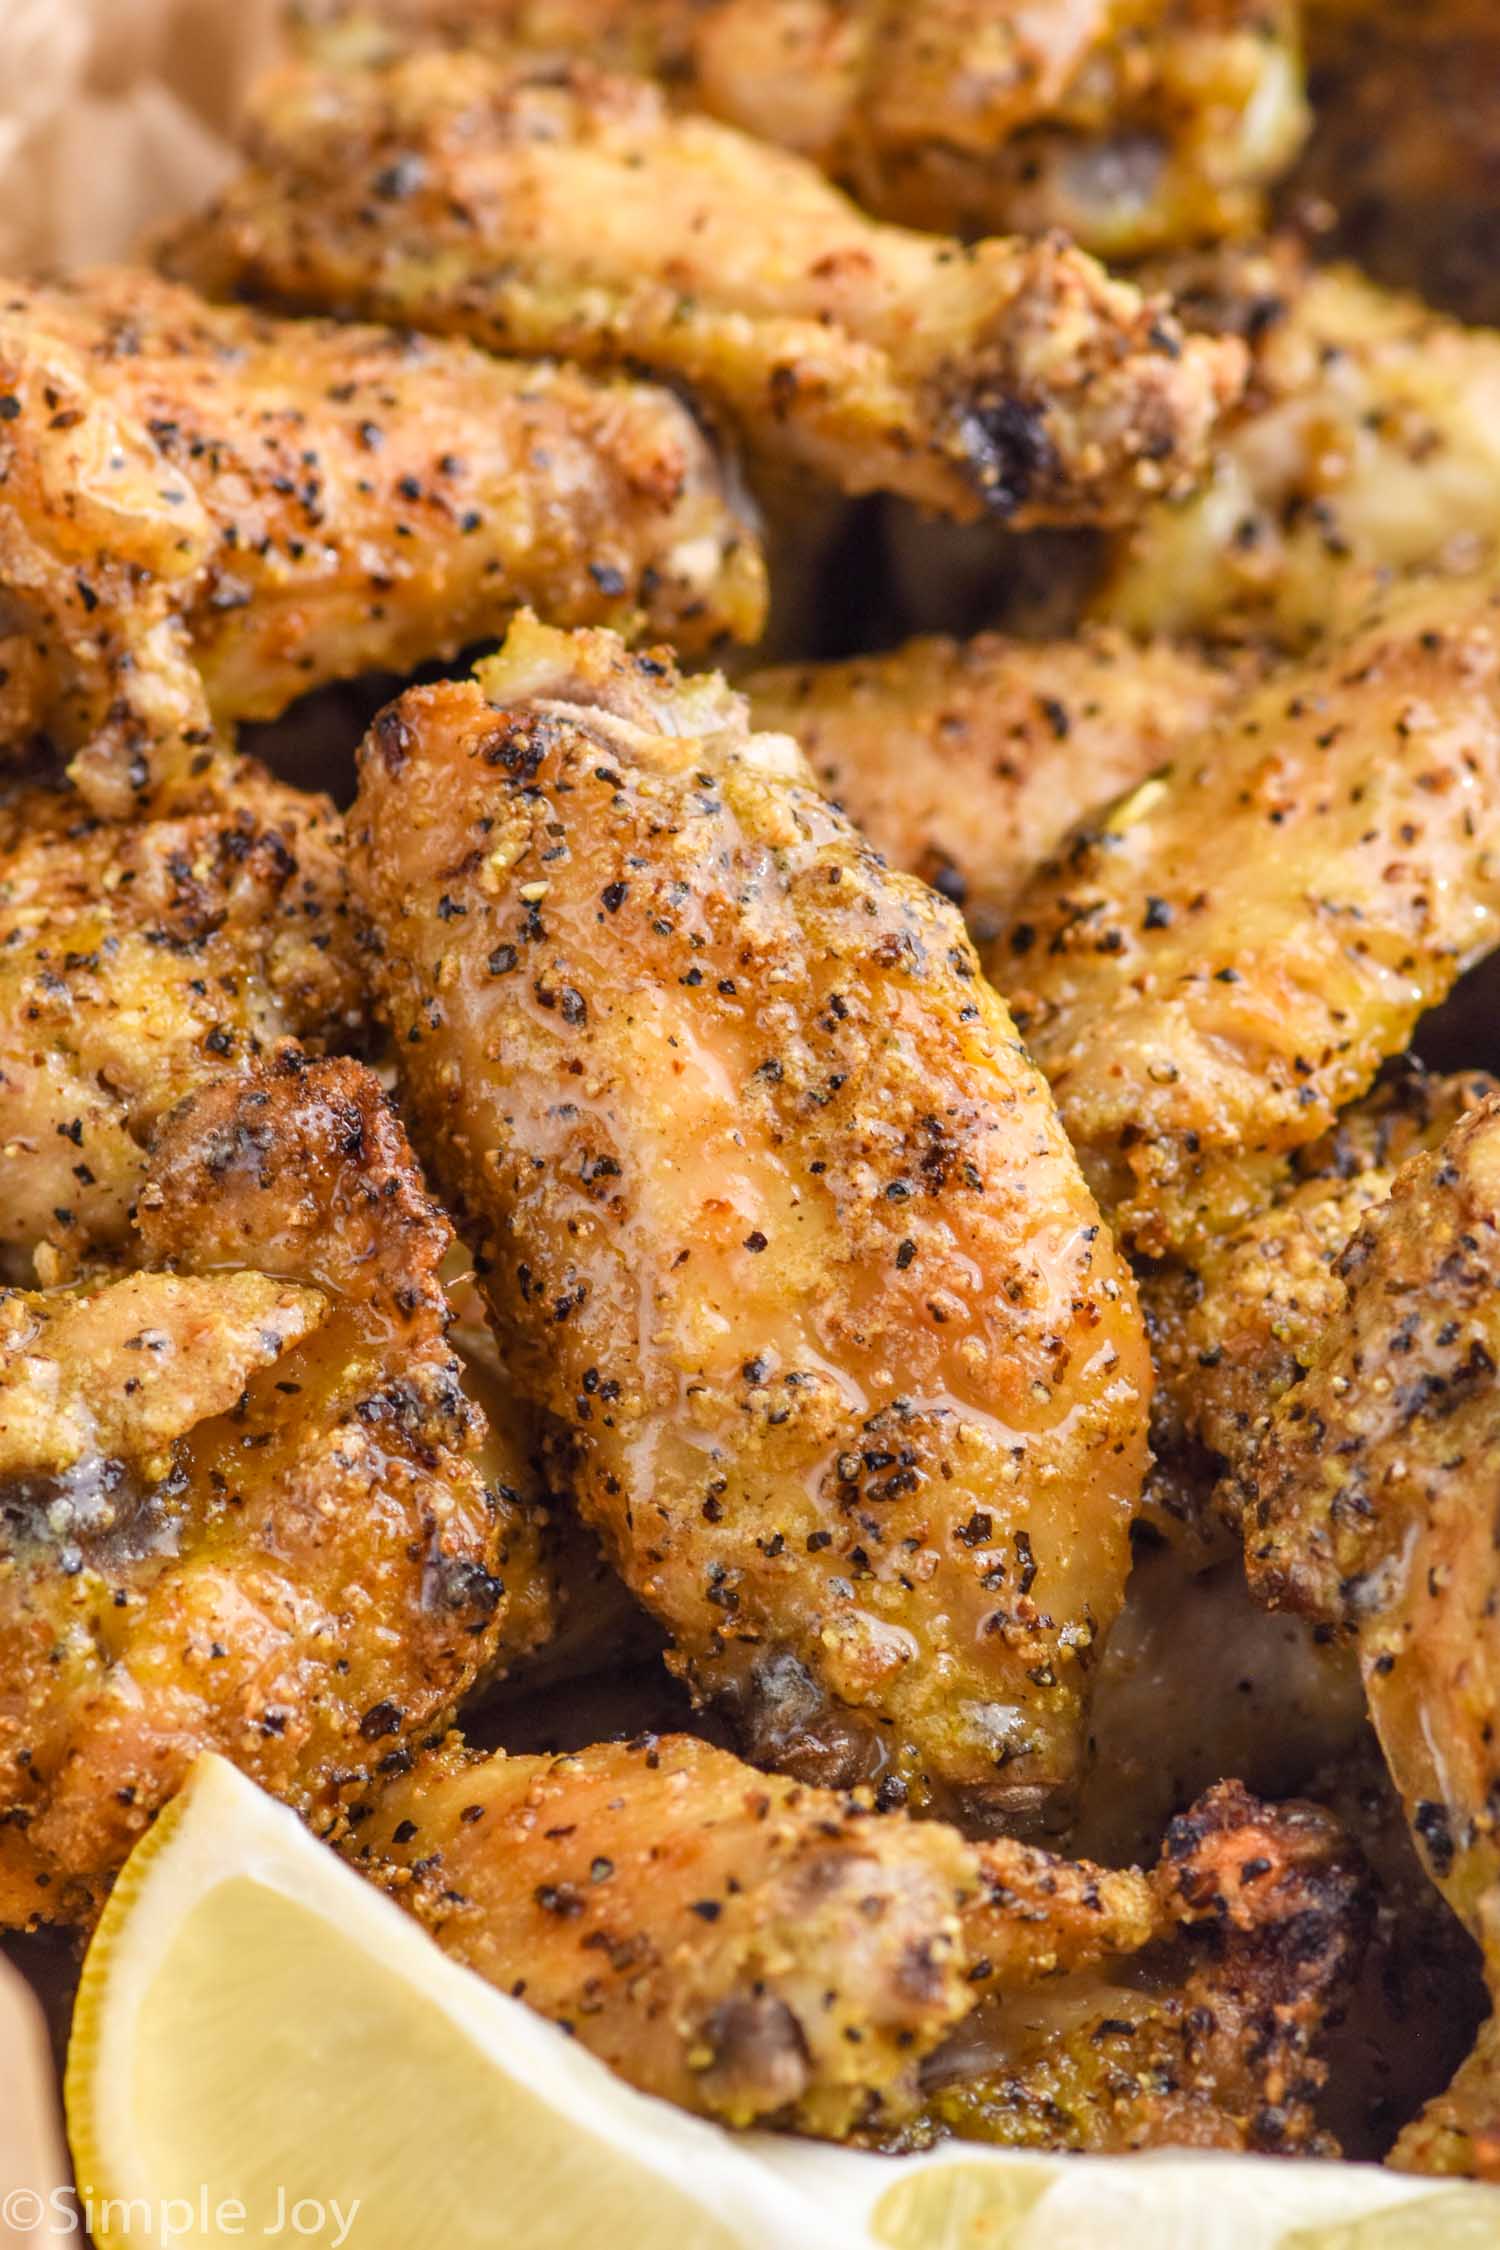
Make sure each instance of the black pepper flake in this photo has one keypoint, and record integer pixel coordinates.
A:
(707, 1909)
(558, 1898)
(381, 1719)
(755, 1240)
(503, 960)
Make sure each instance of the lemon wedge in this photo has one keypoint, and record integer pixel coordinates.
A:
(266, 2050)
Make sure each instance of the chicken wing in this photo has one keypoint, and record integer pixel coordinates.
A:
(1129, 127)
(1215, 2045)
(539, 211)
(1369, 1503)
(1232, 1330)
(771, 1212)
(966, 762)
(239, 1503)
(762, 1951)
(195, 491)
(1368, 445)
(1214, 967)
(138, 962)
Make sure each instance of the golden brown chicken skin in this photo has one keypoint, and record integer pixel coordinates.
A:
(1212, 969)
(138, 962)
(1233, 1329)
(1368, 445)
(1212, 2043)
(771, 1212)
(281, 503)
(572, 213)
(239, 1501)
(966, 762)
(763, 1951)
(1369, 1502)
(740, 1944)
(1127, 126)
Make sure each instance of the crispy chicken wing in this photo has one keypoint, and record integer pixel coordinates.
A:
(771, 1212)
(136, 963)
(966, 762)
(1369, 444)
(1369, 1499)
(239, 1501)
(193, 490)
(544, 211)
(1213, 968)
(764, 1951)
(1211, 2044)
(1370, 1503)
(1129, 126)
(1234, 1328)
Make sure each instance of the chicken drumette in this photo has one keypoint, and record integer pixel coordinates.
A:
(240, 1506)
(760, 1950)
(1367, 446)
(545, 211)
(1369, 1503)
(1129, 127)
(1212, 968)
(772, 1213)
(966, 762)
(203, 513)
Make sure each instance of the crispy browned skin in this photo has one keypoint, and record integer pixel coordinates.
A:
(966, 762)
(1370, 1501)
(239, 1501)
(539, 211)
(310, 501)
(746, 1946)
(771, 1210)
(1129, 126)
(1212, 2044)
(136, 963)
(1211, 970)
(761, 1950)
(1368, 445)
(1406, 155)
(1233, 1329)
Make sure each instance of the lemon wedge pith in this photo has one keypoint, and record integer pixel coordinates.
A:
(266, 2049)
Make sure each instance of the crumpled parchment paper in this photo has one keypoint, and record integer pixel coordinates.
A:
(114, 114)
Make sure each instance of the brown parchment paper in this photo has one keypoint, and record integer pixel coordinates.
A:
(115, 114)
